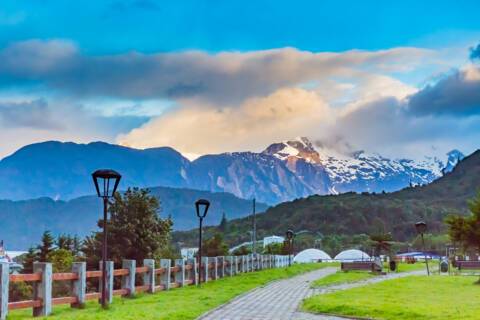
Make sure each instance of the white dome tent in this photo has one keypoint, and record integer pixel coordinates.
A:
(352, 255)
(311, 255)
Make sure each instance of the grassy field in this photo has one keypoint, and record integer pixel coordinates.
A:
(183, 303)
(343, 277)
(415, 297)
(353, 276)
(406, 267)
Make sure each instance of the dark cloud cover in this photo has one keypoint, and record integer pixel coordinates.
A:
(455, 94)
(226, 78)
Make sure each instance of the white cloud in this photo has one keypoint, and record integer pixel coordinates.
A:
(201, 129)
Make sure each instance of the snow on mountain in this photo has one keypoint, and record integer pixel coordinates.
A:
(361, 171)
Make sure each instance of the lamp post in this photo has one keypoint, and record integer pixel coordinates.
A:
(104, 179)
(201, 206)
(421, 227)
(290, 235)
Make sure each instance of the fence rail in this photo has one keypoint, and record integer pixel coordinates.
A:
(165, 276)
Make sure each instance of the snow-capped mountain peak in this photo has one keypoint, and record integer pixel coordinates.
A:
(300, 148)
(358, 171)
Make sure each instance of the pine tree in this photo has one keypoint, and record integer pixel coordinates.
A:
(28, 259)
(223, 223)
(46, 246)
(65, 242)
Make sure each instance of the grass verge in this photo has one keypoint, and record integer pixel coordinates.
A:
(341, 277)
(354, 276)
(414, 297)
(183, 303)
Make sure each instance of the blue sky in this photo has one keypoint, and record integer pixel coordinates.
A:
(115, 26)
(143, 73)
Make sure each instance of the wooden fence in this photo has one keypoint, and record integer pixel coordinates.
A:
(182, 272)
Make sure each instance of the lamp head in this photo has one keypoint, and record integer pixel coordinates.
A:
(202, 205)
(106, 182)
(290, 234)
(421, 227)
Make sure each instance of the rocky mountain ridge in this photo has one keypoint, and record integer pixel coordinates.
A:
(284, 171)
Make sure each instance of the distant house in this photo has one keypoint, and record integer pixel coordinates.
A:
(272, 239)
(5, 257)
(188, 253)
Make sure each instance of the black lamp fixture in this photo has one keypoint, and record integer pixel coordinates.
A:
(201, 207)
(421, 228)
(106, 183)
(290, 235)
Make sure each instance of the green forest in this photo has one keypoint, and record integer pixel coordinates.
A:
(337, 221)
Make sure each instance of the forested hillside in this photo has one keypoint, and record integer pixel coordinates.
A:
(23, 222)
(353, 214)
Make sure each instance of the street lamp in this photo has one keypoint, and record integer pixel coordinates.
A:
(421, 227)
(104, 179)
(201, 206)
(290, 235)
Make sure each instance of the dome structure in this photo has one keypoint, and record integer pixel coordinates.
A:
(311, 255)
(352, 255)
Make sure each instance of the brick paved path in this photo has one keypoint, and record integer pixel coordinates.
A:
(280, 300)
(276, 301)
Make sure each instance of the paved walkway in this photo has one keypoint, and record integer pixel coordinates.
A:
(280, 300)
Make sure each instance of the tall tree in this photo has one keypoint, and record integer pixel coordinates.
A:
(466, 230)
(65, 242)
(215, 246)
(135, 229)
(223, 223)
(46, 246)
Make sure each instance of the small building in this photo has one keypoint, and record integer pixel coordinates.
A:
(272, 239)
(188, 253)
(8, 258)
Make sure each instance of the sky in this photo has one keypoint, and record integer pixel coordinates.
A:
(401, 79)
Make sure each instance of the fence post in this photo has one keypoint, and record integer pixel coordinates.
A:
(220, 267)
(215, 267)
(149, 276)
(180, 274)
(165, 277)
(128, 281)
(244, 263)
(79, 286)
(4, 282)
(230, 266)
(205, 271)
(193, 274)
(42, 290)
(109, 285)
(235, 265)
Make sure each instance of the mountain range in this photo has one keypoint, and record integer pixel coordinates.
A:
(282, 172)
(355, 215)
(24, 221)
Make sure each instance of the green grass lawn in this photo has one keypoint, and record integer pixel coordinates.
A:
(343, 277)
(353, 276)
(407, 267)
(183, 303)
(415, 297)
